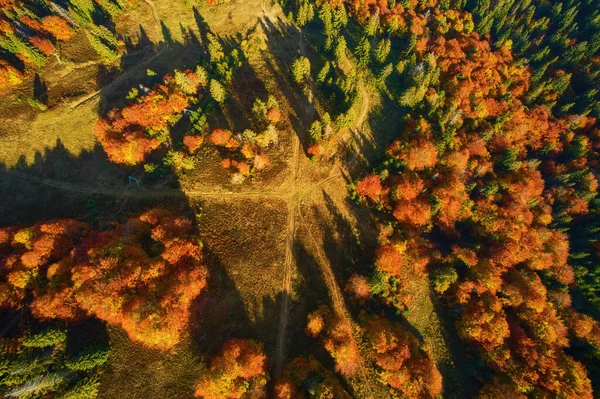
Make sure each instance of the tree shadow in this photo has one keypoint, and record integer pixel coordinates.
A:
(340, 245)
(218, 314)
(457, 382)
(310, 286)
(88, 187)
(85, 334)
(282, 49)
(369, 143)
(40, 90)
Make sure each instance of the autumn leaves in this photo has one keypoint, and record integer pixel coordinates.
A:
(141, 275)
(481, 189)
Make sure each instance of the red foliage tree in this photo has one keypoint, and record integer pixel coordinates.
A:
(358, 287)
(141, 275)
(193, 143)
(44, 45)
(370, 187)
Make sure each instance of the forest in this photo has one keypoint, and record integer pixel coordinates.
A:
(300, 199)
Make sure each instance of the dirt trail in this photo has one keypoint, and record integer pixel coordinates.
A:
(290, 233)
(294, 206)
(337, 298)
(153, 8)
(147, 193)
(365, 110)
(293, 198)
(289, 261)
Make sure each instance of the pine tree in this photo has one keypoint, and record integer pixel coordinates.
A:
(324, 72)
(363, 51)
(340, 50)
(306, 13)
(301, 69)
(382, 50)
(217, 91)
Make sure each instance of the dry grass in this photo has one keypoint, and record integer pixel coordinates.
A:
(226, 20)
(137, 372)
(26, 131)
(245, 239)
(73, 128)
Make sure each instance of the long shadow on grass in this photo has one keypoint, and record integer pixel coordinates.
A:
(310, 292)
(354, 250)
(282, 50)
(59, 184)
(369, 144)
(218, 314)
(87, 186)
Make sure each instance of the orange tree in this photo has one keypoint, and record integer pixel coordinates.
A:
(141, 275)
(239, 372)
(336, 335)
(481, 189)
(30, 32)
(304, 377)
(405, 363)
(130, 134)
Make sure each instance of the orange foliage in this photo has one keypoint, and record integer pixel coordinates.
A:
(273, 115)
(221, 137)
(369, 187)
(130, 134)
(109, 273)
(57, 27)
(9, 76)
(465, 182)
(403, 259)
(192, 143)
(584, 327)
(419, 154)
(44, 45)
(358, 288)
(239, 372)
(407, 365)
(415, 214)
(25, 252)
(337, 337)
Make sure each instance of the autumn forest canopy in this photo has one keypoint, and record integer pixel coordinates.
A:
(300, 199)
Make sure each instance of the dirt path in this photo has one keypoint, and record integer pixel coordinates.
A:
(147, 193)
(289, 261)
(153, 8)
(293, 195)
(365, 110)
(292, 203)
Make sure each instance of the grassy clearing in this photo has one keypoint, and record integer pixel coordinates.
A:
(330, 233)
(71, 128)
(245, 243)
(227, 19)
(135, 371)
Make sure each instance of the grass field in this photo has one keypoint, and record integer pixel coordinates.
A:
(296, 218)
